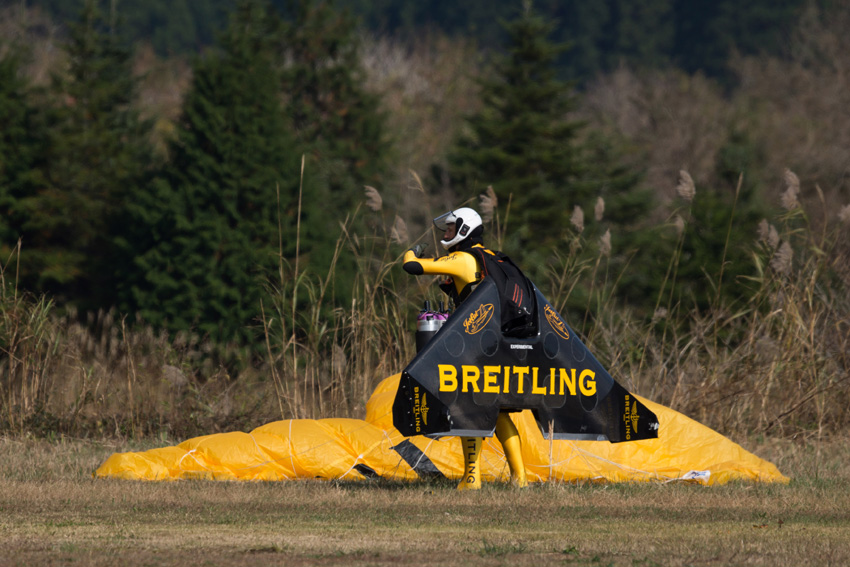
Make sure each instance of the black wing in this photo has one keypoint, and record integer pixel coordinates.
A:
(469, 371)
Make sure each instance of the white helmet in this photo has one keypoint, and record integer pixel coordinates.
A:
(465, 220)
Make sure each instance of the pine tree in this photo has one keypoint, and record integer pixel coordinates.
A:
(337, 123)
(96, 150)
(208, 228)
(22, 138)
(323, 79)
(524, 143)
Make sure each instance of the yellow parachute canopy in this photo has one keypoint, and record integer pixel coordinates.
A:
(356, 449)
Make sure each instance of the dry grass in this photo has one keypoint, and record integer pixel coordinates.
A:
(54, 513)
(778, 365)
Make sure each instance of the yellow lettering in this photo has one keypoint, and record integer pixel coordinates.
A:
(535, 389)
(569, 380)
(587, 382)
(470, 376)
(520, 372)
(491, 374)
(448, 377)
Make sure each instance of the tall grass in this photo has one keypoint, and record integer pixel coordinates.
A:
(326, 359)
(26, 340)
(777, 365)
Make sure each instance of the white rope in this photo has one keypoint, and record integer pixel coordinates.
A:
(584, 456)
(192, 454)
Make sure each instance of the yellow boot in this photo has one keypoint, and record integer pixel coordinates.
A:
(508, 436)
(472, 472)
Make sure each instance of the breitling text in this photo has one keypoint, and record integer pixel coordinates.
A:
(516, 379)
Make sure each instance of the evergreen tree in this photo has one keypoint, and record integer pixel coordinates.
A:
(209, 225)
(697, 35)
(170, 26)
(96, 150)
(708, 31)
(21, 146)
(337, 123)
(524, 143)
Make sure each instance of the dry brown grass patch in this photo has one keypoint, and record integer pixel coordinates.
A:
(53, 512)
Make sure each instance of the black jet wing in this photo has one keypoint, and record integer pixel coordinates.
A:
(469, 371)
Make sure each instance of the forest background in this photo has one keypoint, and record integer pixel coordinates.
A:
(204, 203)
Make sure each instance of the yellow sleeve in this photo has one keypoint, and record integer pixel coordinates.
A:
(461, 266)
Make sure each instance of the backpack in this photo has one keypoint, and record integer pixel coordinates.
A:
(516, 292)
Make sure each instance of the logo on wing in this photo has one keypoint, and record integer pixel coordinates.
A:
(423, 410)
(557, 323)
(631, 417)
(479, 318)
(420, 409)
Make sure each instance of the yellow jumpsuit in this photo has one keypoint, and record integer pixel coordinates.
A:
(463, 271)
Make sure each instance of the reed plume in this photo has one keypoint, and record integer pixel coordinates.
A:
(373, 199)
(686, 188)
(577, 218)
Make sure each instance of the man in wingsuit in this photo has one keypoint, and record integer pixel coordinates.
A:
(463, 267)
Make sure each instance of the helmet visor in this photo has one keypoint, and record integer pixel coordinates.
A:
(442, 222)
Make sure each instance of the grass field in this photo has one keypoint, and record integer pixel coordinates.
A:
(53, 513)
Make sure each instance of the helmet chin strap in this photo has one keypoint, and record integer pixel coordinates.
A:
(452, 244)
(474, 237)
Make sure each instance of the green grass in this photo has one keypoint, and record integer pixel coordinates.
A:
(53, 513)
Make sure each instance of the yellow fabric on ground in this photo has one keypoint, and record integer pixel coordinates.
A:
(356, 449)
